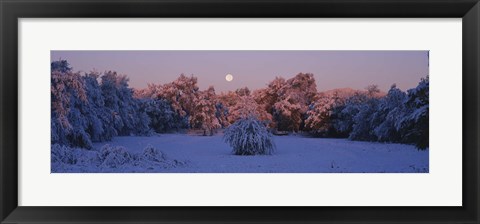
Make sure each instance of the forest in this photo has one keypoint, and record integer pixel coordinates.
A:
(96, 107)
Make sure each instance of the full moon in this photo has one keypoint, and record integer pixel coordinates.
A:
(229, 77)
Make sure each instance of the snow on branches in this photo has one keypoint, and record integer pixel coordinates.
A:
(84, 110)
(249, 136)
(96, 107)
(203, 114)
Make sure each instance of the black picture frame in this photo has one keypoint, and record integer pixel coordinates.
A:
(11, 11)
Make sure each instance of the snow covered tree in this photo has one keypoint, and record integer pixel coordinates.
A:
(372, 91)
(229, 98)
(275, 90)
(69, 100)
(268, 96)
(111, 100)
(249, 136)
(60, 100)
(227, 101)
(389, 111)
(221, 113)
(287, 114)
(319, 115)
(363, 122)
(414, 124)
(99, 122)
(181, 93)
(60, 66)
(152, 91)
(124, 109)
(293, 100)
(245, 107)
(357, 116)
(302, 89)
(344, 114)
(203, 115)
(243, 91)
(84, 111)
(287, 101)
(162, 117)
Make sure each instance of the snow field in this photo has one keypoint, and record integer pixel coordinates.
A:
(294, 154)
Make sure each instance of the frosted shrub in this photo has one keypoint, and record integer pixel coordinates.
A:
(114, 156)
(63, 154)
(151, 158)
(248, 136)
(109, 159)
(152, 154)
(64, 158)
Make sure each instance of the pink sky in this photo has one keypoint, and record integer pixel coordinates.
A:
(255, 69)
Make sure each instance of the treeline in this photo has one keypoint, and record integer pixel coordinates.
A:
(398, 117)
(84, 110)
(95, 107)
(295, 105)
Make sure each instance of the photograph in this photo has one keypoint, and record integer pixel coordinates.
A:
(268, 112)
(239, 111)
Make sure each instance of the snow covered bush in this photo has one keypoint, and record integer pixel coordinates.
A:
(109, 159)
(249, 136)
(114, 156)
(65, 158)
(62, 154)
(153, 159)
(151, 153)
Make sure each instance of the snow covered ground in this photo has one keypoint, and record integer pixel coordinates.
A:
(188, 153)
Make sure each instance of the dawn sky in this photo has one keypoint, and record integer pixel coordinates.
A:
(255, 69)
